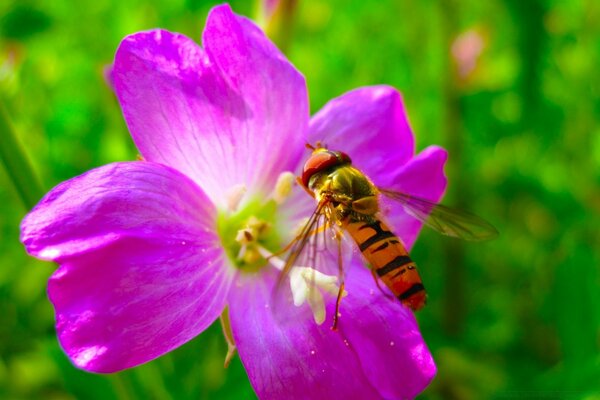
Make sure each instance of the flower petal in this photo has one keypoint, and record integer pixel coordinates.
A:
(387, 340)
(423, 176)
(377, 352)
(141, 266)
(235, 113)
(370, 124)
(276, 125)
(298, 360)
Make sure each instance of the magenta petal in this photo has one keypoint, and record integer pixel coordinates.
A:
(299, 360)
(276, 123)
(387, 340)
(235, 113)
(377, 353)
(141, 267)
(423, 176)
(370, 124)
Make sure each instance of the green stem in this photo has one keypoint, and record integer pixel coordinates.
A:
(150, 375)
(121, 387)
(17, 166)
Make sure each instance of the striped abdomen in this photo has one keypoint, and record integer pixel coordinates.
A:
(389, 260)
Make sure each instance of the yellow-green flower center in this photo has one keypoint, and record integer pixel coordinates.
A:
(245, 230)
(253, 238)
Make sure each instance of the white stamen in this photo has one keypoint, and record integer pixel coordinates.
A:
(305, 290)
(307, 285)
(234, 196)
(273, 260)
(299, 286)
(283, 187)
(317, 306)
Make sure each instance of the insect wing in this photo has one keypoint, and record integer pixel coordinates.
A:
(313, 269)
(446, 220)
(305, 237)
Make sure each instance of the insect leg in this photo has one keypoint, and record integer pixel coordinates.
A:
(338, 238)
(338, 301)
(293, 241)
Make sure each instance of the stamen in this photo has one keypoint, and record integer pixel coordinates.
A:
(257, 226)
(248, 253)
(307, 285)
(283, 187)
(244, 236)
(234, 196)
(273, 260)
(251, 255)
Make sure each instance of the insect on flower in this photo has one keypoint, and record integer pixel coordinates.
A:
(347, 201)
(151, 252)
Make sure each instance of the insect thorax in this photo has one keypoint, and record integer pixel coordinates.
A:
(350, 192)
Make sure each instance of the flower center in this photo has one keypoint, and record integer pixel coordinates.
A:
(251, 235)
(245, 230)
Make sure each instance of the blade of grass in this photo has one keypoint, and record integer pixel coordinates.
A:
(16, 163)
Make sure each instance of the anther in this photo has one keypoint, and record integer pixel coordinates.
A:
(283, 187)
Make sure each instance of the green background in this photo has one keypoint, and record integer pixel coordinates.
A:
(518, 317)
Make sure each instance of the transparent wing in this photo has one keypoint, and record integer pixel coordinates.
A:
(308, 233)
(313, 269)
(446, 220)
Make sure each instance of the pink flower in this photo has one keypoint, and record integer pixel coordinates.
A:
(466, 51)
(147, 249)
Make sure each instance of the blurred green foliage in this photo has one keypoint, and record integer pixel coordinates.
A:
(510, 87)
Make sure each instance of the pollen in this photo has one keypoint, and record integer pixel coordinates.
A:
(253, 231)
(258, 226)
(244, 236)
(249, 237)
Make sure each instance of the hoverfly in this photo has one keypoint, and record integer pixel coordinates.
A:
(348, 202)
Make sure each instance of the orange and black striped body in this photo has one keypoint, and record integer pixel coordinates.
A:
(389, 260)
(349, 199)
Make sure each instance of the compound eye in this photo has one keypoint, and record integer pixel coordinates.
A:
(318, 162)
(344, 158)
